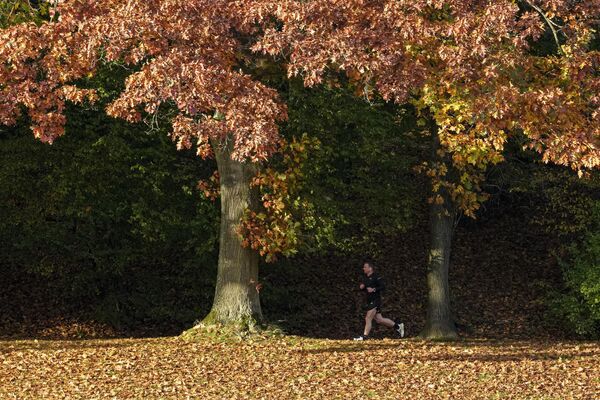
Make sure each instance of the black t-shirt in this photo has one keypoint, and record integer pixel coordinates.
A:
(373, 281)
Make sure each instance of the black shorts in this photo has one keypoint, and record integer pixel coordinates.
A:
(374, 304)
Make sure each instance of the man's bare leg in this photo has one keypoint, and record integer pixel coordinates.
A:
(369, 321)
(380, 319)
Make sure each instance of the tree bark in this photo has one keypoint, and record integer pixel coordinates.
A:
(236, 298)
(440, 323)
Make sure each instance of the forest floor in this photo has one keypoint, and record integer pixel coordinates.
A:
(298, 368)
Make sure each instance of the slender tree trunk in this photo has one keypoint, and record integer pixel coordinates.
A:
(440, 323)
(236, 298)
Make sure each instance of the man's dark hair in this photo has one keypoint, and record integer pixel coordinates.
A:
(369, 262)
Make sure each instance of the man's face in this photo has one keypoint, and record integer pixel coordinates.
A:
(367, 269)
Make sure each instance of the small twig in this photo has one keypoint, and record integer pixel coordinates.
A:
(551, 25)
(13, 9)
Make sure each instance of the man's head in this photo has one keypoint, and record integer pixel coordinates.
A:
(368, 267)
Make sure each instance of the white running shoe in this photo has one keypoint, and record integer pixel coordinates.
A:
(400, 329)
(361, 337)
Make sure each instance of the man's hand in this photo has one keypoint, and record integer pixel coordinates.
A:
(362, 286)
(370, 289)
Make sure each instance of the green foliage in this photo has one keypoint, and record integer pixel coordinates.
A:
(580, 304)
(110, 214)
(17, 11)
(359, 182)
(567, 208)
(562, 204)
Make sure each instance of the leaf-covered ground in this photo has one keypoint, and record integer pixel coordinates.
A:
(295, 368)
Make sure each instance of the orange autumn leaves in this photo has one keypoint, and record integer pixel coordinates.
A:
(299, 368)
(187, 57)
(468, 65)
(274, 228)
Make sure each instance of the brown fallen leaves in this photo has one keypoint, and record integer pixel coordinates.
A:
(293, 368)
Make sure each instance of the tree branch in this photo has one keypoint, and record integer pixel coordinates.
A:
(550, 24)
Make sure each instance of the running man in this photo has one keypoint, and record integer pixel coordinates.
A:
(373, 285)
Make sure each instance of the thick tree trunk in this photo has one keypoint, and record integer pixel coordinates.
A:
(236, 298)
(440, 323)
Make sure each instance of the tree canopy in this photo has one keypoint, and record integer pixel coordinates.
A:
(196, 71)
(471, 64)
